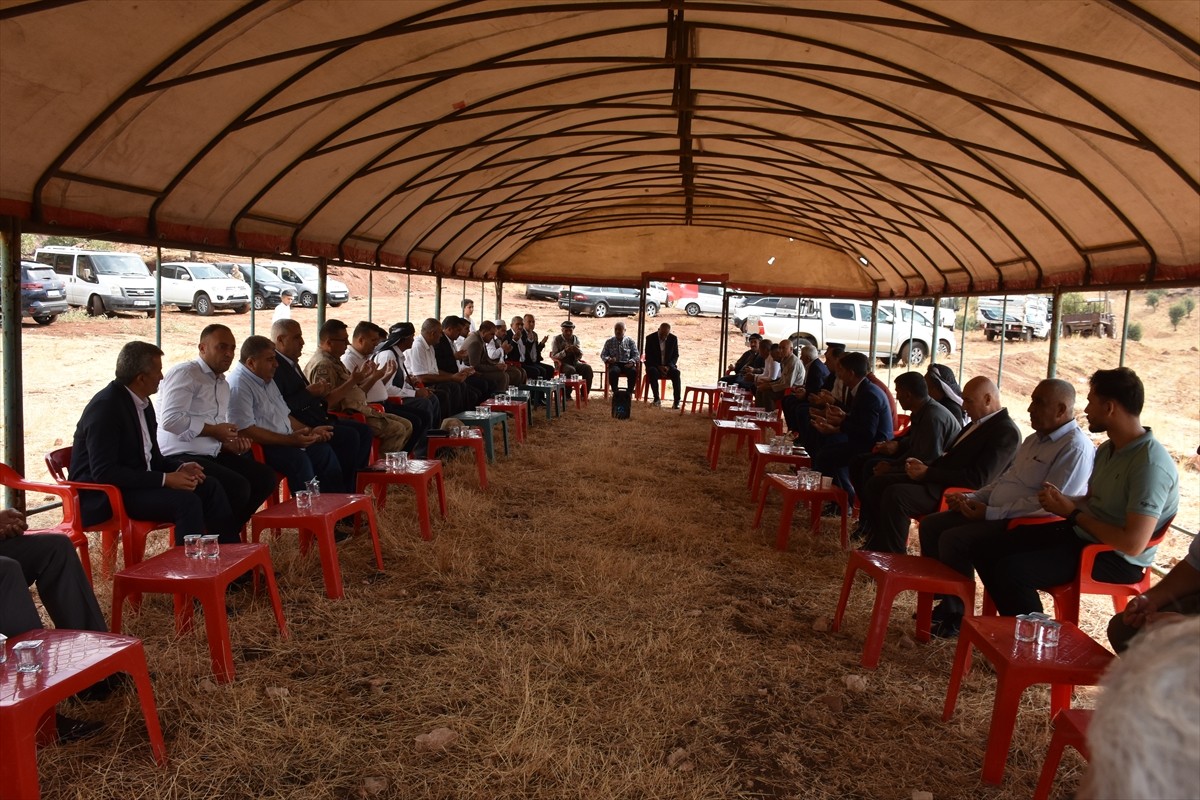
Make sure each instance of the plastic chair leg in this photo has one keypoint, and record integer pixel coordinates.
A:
(847, 585)
(962, 661)
(881, 612)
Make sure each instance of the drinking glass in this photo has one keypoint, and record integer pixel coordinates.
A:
(210, 546)
(1048, 631)
(28, 655)
(304, 501)
(314, 487)
(191, 546)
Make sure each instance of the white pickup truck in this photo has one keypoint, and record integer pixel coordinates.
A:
(904, 335)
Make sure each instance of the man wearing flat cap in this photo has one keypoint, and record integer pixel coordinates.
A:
(566, 350)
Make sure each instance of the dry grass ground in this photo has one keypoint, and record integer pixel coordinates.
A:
(605, 605)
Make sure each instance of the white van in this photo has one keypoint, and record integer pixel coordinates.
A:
(102, 281)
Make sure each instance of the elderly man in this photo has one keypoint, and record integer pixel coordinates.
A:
(366, 336)
(791, 376)
(536, 345)
(866, 422)
(424, 367)
(521, 351)
(976, 456)
(620, 356)
(1132, 493)
(196, 427)
(796, 404)
(747, 361)
(400, 389)
(662, 361)
(351, 440)
(451, 357)
(116, 443)
(349, 392)
(569, 353)
(499, 375)
(1057, 452)
(256, 406)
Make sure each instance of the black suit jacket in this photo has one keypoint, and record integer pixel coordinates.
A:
(108, 448)
(653, 353)
(306, 407)
(976, 460)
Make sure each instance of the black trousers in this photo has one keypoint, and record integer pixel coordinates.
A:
(48, 559)
(246, 482)
(351, 445)
(948, 536)
(301, 464)
(1032, 557)
(420, 421)
(654, 374)
(202, 510)
(616, 370)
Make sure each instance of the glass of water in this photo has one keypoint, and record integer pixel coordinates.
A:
(28, 655)
(210, 546)
(191, 546)
(304, 501)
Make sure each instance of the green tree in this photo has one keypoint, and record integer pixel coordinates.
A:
(1135, 332)
(1074, 303)
(1176, 312)
(1152, 298)
(1190, 305)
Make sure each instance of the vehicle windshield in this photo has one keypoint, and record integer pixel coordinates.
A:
(119, 264)
(205, 271)
(307, 272)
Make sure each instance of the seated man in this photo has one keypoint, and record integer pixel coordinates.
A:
(620, 356)
(567, 349)
(865, 422)
(749, 359)
(196, 426)
(929, 434)
(944, 389)
(977, 455)
(796, 404)
(116, 443)
(662, 360)
(423, 365)
(498, 375)
(536, 345)
(451, 358)
(256, 406)
(348, 394)
(1133, 491)
(769, 393)
(401, 388)
(366, 337)
(1057, 452)
(351, 440)
(748, 379)
(1176, 595)
(520, 350)
(50, 561)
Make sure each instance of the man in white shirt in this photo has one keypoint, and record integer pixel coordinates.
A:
(194, 413)
(284, 309)
(401, 388)
(450, 387)
(363, 344)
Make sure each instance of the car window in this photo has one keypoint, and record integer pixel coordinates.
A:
(713, 290)
(39, 273)
(167, 271)
(205, 272)
(786, 304)
(85, 270)
(842, 311)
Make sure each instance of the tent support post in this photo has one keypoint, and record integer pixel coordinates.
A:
(13, 391)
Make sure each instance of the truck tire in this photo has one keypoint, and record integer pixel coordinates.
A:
(45, 319)
(95, 307)
(203, 305)
(651, 309)
(913, 353)
(991, 335)
(600, 309)
(1026, 335)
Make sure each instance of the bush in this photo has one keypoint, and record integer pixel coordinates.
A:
(1074, 303)
(1190, 305)
(1135, 332)
(1176, 312)
(1152, 298)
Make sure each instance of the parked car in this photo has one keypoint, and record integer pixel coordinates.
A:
(707, 300)
(102, 281)
(202, 287)
(43, 294)
(820, 321)
(543, 291)
(755, 306)
(303, 279)
(601, 301)
(268, 289)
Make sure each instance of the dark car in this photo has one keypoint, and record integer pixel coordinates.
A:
(43, 293)
(268, 289)
(601, 301)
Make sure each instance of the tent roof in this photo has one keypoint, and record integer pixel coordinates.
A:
(951, 146)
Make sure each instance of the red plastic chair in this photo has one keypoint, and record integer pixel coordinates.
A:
(902, 423)
(70, 526)
(1070, 728)
(1067, 596)
(131, 532)
(71, 662)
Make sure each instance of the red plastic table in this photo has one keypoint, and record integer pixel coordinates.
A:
(205, 579)
(319, 522)
(761, 455)
(518, 410)
(707, 393)
(420, 473)
(894, 573)
(579, 386)
(71, 662)
(1076, 661)
(722, 428)
(474, 443)
(786, 485)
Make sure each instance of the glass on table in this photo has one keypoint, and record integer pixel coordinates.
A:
(1048, 632)
(3, 648)
(304, 501)
(191, 546)
(210, 546)
(28, 655)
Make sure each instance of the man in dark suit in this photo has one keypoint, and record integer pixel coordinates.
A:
(116, 443)
(846, 435)
(796, 405)
(978, 454)
(662, 358)
(351, 441)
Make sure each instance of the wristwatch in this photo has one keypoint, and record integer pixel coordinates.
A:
(1073, 517)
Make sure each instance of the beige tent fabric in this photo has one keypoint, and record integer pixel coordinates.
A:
(952, 146)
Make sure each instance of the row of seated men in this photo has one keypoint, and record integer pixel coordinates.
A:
(1122, 494)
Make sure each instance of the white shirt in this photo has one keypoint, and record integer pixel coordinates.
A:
(141, 406)
(421, 358)
(281, 312)
(397, 385)
(352, 360)
(494, 350)
(191, 396)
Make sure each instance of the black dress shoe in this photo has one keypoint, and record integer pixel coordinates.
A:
(72, 730)
(945, 628)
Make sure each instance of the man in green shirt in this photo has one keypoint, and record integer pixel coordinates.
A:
(1132, 494)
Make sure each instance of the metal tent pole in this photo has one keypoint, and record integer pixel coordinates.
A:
(158, 297)
(408, 296)
(962, 342)
(370, 295)
(1125, 327)
(437, 297)
(322, 274)
(253, 281)
(10, 342)
(1056, 315)
(1003, 339)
